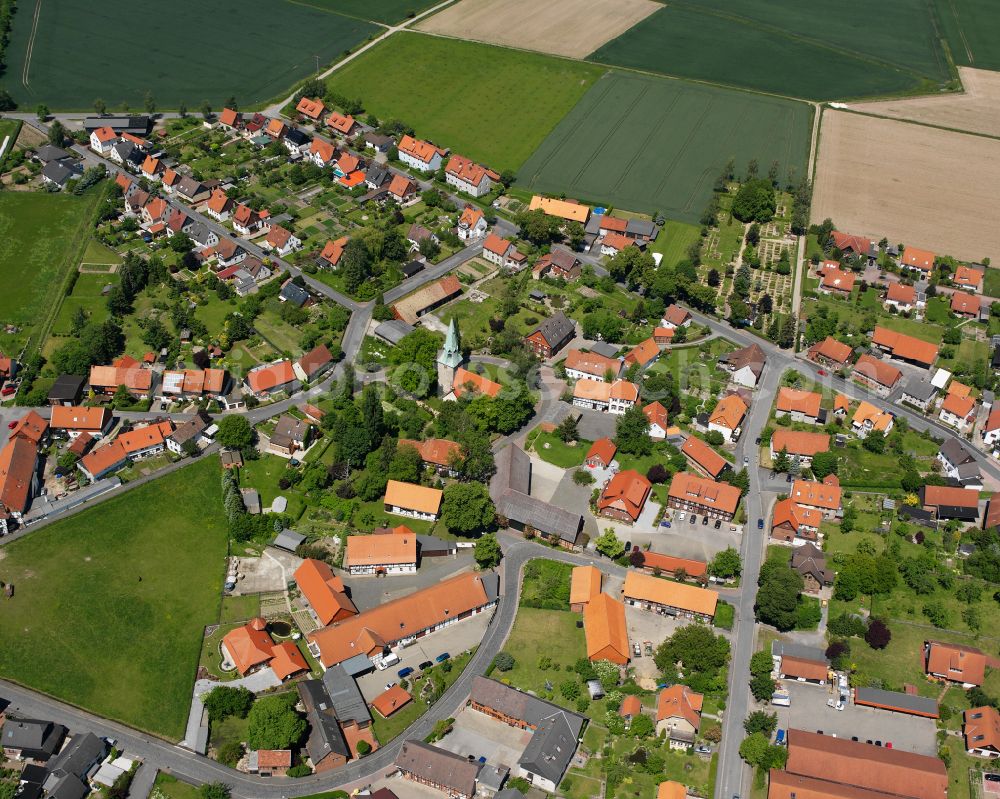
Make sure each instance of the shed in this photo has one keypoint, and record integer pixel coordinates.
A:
(288, 540)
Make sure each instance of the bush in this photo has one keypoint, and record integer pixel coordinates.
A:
(582, 477)
(878, 635)
(847, 625)
(224, 701)
(364, 748)
(504, 661)
(230, 753)
(570, 689)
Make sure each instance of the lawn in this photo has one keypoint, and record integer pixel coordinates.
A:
(168, 786)
(810, 50)
(97, 253)
(86, 295)
(554, 450)
(40, 236)
(655, 145)
(550, 632)
(488, 103)
(284, 36)
(264, 474)
(991, 282)
(546, 584)
(673, 241)
(138, 579)
(387, 11)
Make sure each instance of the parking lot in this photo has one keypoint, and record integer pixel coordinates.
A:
(369, 591)
(646, 626)
(479, 735)
(809, 711)
(685, 540)
(453, 639)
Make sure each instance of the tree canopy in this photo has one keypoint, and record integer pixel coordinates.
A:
(467, 508)
(273, 723)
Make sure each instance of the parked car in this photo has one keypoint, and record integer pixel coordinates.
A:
(779, 739)
(8, 391)
(389, 685)
(665, 523)
(442, 657)
(12, 425)
(760, 524)
(636, 649)
(822, 372)
(701, 749)
(648, 646)
(680, 516)
(425, 665)
(746, 460)
(718, 523)
(704, 520)
(693, 518)
(406, 671)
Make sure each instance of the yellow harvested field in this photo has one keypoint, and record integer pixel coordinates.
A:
(571, 28)
(976, 110)
(922, 186)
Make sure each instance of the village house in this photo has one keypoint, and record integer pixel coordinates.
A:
(469, 177)
(991, 428)
(824, 497)
(497, 250)
(744, 365)
(471, 224)
(792, 522)
(901, 297)
(19, 480)
(958, 411)
(73, 421)
(145, 442)
(967, 277)
(830, 352)
(958, 464)
(551, 335)
(103, 461)
(420, 155)
(381, 554)
(800, 406)
(323, 591)
(799, 445)
(810, 562)
(693, 494)
(917, 260)
(601, 454)
(230, 119)
(441, 454)
(290, 435)
(311, 108)
(193, 384)
(558, 263)
(678, 715)
(616, 397)
(332, 252)
(905, 348)
(877, 375)
(624, 497)
(139, 382)
(668, 598)
(967, 306)
(728, 415)
(954, 663)
(342, 124)
(835, 281)
(805, 664)
(656, 415)
(705, 459)
(643, 354)
(417, 502)
(606, 630)
(190, 190)
(850, 244)
(249, 648)
(981, 728)
(658, 564)
(675, 317)
(313, 364)
(197, 429)
(338, 719)
(102, 140)
(281, 240)
(948, 502)
(272, 378)
(868, 419)
(580, 365)
(151, 168)
(567, 210)
(321, 153)
(248, 222)
(614, 243)
(918, 392)
(453, 775)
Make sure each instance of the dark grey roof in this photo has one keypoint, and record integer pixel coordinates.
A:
(378, 139)
(793, 650)
(192, 428)
(66, 387)
(411, 268)
(810, 560)
(438, 766)
(907, 703)
(325, 736)
(913, 512)
(358, 664)
(554, 740)
(288, 540)
(67, 786)
(297, 137)
(123, 149)
(377, 174)
(430, 545)
(137, 125)
(492, 777)
(919, 389)
(294, 294)
(38, 738)
(198, 232)
(187, 186)
(605, 349)
(640, 227)
(57, 172)
(962, 512)
(49, 152)
(491, 585)
(752, 356)
(394, 330)
(510, 489)
(77, 757)
(955, 453)
(556, 329)
(345, 696)
(290, 430)
(513, 472)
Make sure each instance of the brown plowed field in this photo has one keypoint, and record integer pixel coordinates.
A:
(921, 186)
(573, 28)
(976, 110)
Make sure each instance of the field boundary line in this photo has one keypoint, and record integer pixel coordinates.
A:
(31, 44)
(919, 123)
(306, 4)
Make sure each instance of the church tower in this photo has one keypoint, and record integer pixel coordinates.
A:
(448, 360)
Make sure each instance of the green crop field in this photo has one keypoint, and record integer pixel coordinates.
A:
(40, 234)
(972, 28)
(110, 604)
(487, 103)
(389, 12)
(799, 48)
(652, 144)
(185, 52)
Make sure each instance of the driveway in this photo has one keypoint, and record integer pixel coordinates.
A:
(479, 735)
(369, 591)
(646, 626)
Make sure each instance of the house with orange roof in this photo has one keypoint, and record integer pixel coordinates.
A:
(471, 224)
(981, 728)
(669, 789)
(728, 415)
(991, 428)
(705, 459)
(568, 210)
(102, 140)
(269, 762)
(663, 335)
(313, 108)
(391, 700)
(19, 479)
(881, 377)
(248, 222)
(643, 354)
(31, 427)
(440, 453)
(841, 405)
(469, 177)
(801, 446)
(601, 454)
(954, 663)
(276, 129)
(558, 263)
(147, 441)
(800, 406)
(793, 522)
(313, 363)
(584, 585)
(950, 502)
(904, 347)
(580, 365)
(836, 281)
(691, 493)
(219, 206)
(675, 316)
(466, 382)
(678, 715)
(497, 250)
(341, 124)
(967, 277)
(656, 415)
(321, 152)
(616, 397)
(287, 660)
(966, 305)
(230, 119)
(281, 240)
(75, 420)
(830, 352)
(417, 502)
(850, 244)
(918, 260)
(630, 708)
(402, 190)
(381, 554)
(958, 411)
(248, 647)
(151, 168)
(103, 460)
(664, 596)
(658, 564)
(332, 252)
(137, 381)
(614, 243)
(155, 210)
(323, 591)
(624, 496)
(272, 378)
(606, 630)
(420, 155)
(901, 297)
(868, 418)
(824, 496)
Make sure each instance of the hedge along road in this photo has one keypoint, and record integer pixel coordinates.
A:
(654, 144)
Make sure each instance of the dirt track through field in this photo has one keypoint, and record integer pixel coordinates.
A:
(976, 110)
(572, 28)
(914, 184)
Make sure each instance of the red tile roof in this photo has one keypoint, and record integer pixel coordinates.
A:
(885, 374)
(603, 450)
(901, 293)
(957, 663)
(18, 460)
(831, 349)
(687, 487)
(423, 151)
(704, 456)
(468, 171)
(965, 304)
(626, 491)
(312, 108)
(791, 400)
(269, 377)
(919, 259)
(907, 347)
(825, 495)
(802, 444)
(679, 701)
(323, 590)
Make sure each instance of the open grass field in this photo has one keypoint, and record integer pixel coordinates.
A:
(544, 632)
(87, 295)
(283, 36)
(40, 234)
(487, 103)
(975, 110)
(814, 50)
(385, 11)
(571, 28)
(138, 578)
(922, 186)
(673, 241)
(972, 29)
(651, 144)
